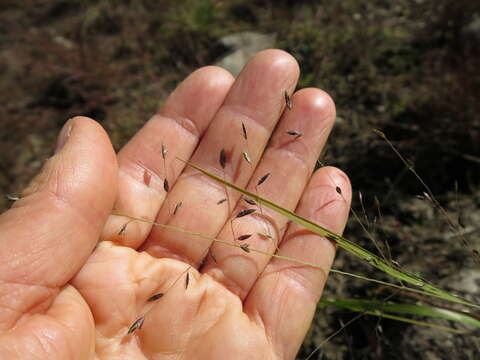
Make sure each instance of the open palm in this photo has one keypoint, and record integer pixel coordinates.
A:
(66, 295)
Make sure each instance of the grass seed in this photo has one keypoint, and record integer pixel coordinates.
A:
(244, 237)
(166, 186)
(155, 297)
(247, 157)
(294, 133)
(122, 230)
(245, 213)
(263, 178)
(244, 130)
(223, 158)
(250, 201)
(136, 325)
(288, 100)
(245, 247)
(177, 207)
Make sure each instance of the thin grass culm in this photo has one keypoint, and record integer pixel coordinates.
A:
(375, 261)
(421, 286)
(430, 197)
(246, 248)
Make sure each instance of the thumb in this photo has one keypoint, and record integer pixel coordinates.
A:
(49, 233)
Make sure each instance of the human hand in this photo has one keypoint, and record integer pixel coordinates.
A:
(58, 300)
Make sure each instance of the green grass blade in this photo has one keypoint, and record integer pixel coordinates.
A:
(266, 253)
(380, 308)
(351, 247)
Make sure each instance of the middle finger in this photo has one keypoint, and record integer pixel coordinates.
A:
(256, 100)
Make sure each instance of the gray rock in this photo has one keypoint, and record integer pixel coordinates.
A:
(243, 46)
(474, 26)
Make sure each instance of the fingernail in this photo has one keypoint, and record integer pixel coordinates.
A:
(63, 136)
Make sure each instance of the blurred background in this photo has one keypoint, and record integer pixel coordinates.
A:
(409, 68)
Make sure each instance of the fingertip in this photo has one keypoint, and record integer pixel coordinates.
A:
(337, 179)
(278, 61)
(214, 75)
(64, 208)
(329, 193)
(198, 97)
(313, 100)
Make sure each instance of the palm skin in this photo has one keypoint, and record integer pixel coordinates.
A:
(66, 295)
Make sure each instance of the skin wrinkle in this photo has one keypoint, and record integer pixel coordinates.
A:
(80, 214)
(158, 251)
(241, 113)
(137, 166)
(267, 221)
(295, 145)
(186, 125)
(301, 162)
(184, 122)
(55, 200)
(257, 317)
(46, 299)
(212, 78)
(232, 285)
(205, 180)
(65, 344)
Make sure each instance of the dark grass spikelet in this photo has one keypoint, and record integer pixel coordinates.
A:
(245, 247)
(244, 237)
(244, 131)
(294, 133)
(155, 297)
(137, 325)
(187, 280)
(245, 213)
(221, 201)
(338, 190)
(250, 201)
(288, 100)
(263, 179)
(177, 207)
(122, 230)
(223, 158)
(166, 185)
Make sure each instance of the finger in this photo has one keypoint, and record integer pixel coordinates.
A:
(174, 131)
(64, 331)
(256, 100)
(50, 232)
(290, 161)
(296, 288)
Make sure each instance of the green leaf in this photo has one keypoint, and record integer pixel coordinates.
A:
(385, 309)
(346, 244)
